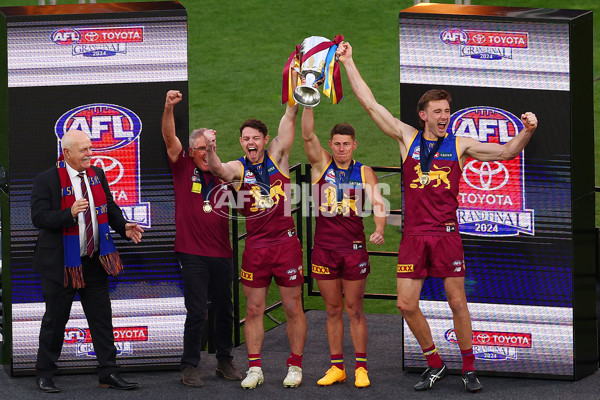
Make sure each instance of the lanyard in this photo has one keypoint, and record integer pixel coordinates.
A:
(261, 174)
(427, 155)
(206, 187)
(341, 181)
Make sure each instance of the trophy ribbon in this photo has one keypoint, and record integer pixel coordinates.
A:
(286, 86)
(332, 86)
(333, 81)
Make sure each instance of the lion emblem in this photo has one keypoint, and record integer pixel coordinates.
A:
(438, 175)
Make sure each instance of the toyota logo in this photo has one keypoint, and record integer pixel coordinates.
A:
(483, 338)
(492, 175)
(91, 36)
(479, 38)
(112, 168)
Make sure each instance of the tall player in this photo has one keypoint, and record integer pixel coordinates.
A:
(272, 248)
(340, 262)
(431, 243)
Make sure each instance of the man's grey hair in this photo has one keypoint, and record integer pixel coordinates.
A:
(195, 134)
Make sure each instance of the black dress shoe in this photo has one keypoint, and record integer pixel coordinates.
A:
(46, 385)
(115, 381)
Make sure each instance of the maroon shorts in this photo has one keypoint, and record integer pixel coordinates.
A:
(351, 265)
(440, 256)
(281, 261)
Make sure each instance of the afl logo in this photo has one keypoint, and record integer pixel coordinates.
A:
(109, 126)
(485, 124)
(74, 335)
(65, 36)
(454, 36)
(112, 167)
(249, 177)
(330, 177)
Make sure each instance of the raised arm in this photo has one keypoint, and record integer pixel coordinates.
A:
(229, 172)
(317, 156)
(281, 146)
(388, 124)
(376, 199)
(494, 151)
(168, 125)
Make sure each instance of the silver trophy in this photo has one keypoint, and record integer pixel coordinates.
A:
(312, 70)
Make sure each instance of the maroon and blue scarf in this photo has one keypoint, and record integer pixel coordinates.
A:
(109, 257)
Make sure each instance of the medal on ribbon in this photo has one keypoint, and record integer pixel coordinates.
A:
(341, 179)
(261, 172)
(269, 203)
(426, 158)
(205, 188)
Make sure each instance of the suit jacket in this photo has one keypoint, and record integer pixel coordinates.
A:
(47, 215)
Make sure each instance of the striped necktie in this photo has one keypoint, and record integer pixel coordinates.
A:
(89, 229)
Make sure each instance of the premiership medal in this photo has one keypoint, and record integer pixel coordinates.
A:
(269, 203)
(339, 208)
(424, 179)
(207, 207)
(265, 202)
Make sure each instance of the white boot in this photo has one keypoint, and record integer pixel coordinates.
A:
(254, 378)
(294, 377)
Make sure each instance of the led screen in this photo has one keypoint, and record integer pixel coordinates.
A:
(107, 77)
(514, 216)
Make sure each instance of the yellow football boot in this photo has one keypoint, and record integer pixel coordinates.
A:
(333, 375)
(361, 378)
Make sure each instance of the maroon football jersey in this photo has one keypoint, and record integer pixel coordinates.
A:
(431, 208)
(338, 226)
(268, 219)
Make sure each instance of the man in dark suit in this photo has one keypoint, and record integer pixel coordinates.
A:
(75, 253)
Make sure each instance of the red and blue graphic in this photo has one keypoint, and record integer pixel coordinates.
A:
(115, 134)
(495, 346)
(98, 41)
(485, 45)
(492, 193)
(124, 336)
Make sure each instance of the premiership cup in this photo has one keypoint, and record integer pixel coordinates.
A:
(312, 71)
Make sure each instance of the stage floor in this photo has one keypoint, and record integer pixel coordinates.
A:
(384, 364)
